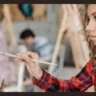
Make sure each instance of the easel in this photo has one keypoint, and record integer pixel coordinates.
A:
(73, 35)
(8, 21)
(78, 45)
(57, 46)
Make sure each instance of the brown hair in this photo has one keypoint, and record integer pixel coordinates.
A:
(91, 46)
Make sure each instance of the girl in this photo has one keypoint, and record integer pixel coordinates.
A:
(83, 80)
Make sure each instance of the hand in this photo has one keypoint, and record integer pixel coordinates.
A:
(73, 18)
(33, 67)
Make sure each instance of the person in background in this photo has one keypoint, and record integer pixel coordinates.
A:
(39, 45)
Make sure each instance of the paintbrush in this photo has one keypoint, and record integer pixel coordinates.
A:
(15, 56)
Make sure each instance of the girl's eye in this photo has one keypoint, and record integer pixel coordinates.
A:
(94, 17)
(87, 19)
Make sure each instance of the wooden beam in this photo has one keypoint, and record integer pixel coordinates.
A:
(9, 26)
(60, 34)
(77, 51)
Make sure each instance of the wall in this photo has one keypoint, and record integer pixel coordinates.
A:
(46, 28)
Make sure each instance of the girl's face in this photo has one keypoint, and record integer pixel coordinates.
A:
(91, 24)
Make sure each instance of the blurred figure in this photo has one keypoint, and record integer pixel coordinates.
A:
(40, 45)
(5, 64)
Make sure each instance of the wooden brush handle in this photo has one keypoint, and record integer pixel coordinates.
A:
(14, 56)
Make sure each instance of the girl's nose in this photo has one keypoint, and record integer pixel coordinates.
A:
(90, 27)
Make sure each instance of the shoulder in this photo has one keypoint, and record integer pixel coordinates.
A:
(89, 66)
(86, 68)
(41, 39)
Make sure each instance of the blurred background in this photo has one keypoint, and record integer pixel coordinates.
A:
(36, 27)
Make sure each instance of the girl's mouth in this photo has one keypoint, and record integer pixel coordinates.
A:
(93, 39)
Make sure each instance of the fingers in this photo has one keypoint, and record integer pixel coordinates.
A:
(20, 57)
(32, 55)
(27, 56)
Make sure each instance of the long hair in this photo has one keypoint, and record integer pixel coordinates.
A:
(91, 46)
